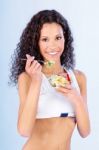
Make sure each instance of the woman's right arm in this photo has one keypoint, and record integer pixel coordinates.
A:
(29, 84)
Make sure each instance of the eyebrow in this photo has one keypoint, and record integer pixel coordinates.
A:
(55, 35)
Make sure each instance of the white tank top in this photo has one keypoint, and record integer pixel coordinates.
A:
(53, 103)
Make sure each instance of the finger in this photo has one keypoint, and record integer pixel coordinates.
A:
(35, 66)
(62, 89)
(28, 56)
(35, 62)
(68, 86)
(38, 66)
(29, 61)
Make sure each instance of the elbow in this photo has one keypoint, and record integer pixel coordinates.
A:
(84, 129)
(85, 133)
(23, 131)
(25, 128)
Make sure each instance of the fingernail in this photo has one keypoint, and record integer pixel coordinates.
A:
(27, 55)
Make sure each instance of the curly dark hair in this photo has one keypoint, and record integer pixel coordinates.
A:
(28, 43)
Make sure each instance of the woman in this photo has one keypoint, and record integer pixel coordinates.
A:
(47, 114)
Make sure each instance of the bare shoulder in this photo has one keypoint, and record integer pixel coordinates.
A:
(24, 80)
(80, 76)
(82, 81)
(23, 77)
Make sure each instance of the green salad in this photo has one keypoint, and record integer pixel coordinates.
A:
(49, 63)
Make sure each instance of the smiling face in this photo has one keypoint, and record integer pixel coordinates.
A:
(51, 42)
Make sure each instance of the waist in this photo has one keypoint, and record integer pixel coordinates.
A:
(53, 126)
(52, 134)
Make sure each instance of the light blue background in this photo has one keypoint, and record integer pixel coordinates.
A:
(83, 17)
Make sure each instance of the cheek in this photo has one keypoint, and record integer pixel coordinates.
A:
(42, 46)
(61, 44)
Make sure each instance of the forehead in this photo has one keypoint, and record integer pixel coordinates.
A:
(51, 28)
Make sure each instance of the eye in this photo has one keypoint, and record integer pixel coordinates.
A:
(58, 38)
(44, 39)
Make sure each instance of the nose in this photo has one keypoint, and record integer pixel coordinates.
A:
(52, 44)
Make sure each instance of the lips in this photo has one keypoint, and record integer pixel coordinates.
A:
(52, 53)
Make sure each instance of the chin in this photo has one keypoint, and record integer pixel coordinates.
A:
(54, 58)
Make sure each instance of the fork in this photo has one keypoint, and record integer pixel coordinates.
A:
(24, 59)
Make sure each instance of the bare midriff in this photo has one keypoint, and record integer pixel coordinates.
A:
(51, 134)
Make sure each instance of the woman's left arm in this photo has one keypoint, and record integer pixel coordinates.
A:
(81, 110)
(79, 101)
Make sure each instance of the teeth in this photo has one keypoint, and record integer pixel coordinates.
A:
(53, 53)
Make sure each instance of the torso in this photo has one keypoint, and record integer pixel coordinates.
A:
(51, 134)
